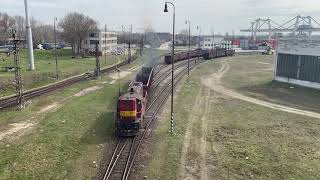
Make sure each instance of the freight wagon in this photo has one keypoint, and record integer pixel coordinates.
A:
(180, 56)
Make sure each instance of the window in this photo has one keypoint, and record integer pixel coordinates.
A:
(94, 41)
(94, 35)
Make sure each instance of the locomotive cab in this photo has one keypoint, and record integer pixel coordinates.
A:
(130, 112)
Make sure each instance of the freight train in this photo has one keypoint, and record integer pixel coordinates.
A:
(204, 53)
(131, 106)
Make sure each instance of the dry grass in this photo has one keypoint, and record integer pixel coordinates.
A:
(252, 76)
(243, 140)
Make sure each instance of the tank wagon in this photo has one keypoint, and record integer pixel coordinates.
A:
(205, 54)
(131, 106)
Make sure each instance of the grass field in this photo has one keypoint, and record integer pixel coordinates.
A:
(46, 68)
(252, 76)
(218, 137)
(66, 142)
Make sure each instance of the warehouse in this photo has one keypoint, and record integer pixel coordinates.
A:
(298, 62)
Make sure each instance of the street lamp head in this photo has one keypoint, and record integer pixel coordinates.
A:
(165, 8)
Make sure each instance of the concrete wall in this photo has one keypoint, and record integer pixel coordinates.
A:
(298, 62)
(298, 82)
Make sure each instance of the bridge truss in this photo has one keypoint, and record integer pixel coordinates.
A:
(297, 25)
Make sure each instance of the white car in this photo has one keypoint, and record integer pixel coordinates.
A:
(40, 46)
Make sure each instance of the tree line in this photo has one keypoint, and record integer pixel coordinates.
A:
(41, 32)
(72, 29)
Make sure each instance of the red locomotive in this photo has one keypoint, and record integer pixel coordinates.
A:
(132, 105)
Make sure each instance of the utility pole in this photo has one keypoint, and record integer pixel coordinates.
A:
(105, 44)
(189, 42)
(29, 34)
(55, 47)
(212, 31)
(142, 44)
(11, 33)
(97, 60)
(118, 70)
(199, 27)
(124, 39)
(17, 69)
(129, 51)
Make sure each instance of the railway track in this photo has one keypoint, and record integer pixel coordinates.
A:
(11, 101)
(126, 150)
(157, 81)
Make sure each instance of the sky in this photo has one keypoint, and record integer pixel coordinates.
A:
(221, 15)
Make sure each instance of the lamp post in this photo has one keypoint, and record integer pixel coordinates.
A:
(199, 27)
(172, 58)
(189, 34)
(55, 46)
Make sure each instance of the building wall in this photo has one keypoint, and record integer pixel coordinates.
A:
(209, 42)
(298, 62)
(107, 42)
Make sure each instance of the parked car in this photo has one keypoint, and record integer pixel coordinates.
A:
(40, 46)
(48, 46)
(6, 49)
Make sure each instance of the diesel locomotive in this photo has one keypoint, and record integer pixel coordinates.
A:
(132, 105)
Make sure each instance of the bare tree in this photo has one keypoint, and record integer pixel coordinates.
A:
(184, 34)
(20, 25)
(41, 33)
(76, 27)
(6, 21)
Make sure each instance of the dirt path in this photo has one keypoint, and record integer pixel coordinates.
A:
(187, 170)
(203, 142)
(15, 128)
(87, 91)
(195, 167)
(213, 81)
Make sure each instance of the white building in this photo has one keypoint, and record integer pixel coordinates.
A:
(210, 42)
(107, 41)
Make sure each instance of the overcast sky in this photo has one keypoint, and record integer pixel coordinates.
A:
(223, 15)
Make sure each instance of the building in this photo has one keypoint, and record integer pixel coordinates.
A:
(210, 41)
(298, 61)
(107, 42)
